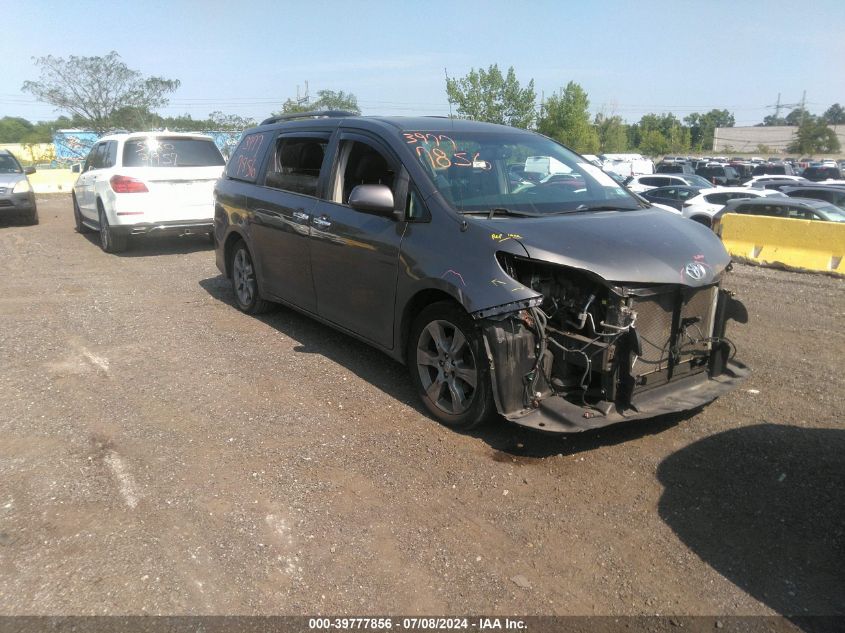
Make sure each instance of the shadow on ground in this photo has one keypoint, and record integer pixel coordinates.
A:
(765, 506)
(508, 441)
(155, 245)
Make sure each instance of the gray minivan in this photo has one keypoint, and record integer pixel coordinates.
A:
(557, 299)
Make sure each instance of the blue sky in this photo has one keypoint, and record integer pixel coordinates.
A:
(246, 57)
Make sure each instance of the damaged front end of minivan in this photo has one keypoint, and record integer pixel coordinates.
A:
(587, 352)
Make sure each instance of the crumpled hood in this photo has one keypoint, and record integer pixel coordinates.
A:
(646, 246)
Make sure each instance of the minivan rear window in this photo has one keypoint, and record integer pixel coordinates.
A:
(171, 152)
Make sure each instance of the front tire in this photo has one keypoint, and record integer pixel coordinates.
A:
(245, 282)
(448, 366)
(110, 241)
(32, 218)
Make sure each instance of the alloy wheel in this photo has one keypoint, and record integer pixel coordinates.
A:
(447, 367)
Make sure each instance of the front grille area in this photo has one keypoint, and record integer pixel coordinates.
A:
(6, 203)
(656, 317)
(3, 190)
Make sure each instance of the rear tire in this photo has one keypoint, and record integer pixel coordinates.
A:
(77, 218)
(110, 241)
(702, 219)
(449, 367)
(245, 282)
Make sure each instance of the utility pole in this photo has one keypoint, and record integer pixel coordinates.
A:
(803, 104)
(777, 108)
(302, 99)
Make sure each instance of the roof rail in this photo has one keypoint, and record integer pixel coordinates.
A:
(305, 115)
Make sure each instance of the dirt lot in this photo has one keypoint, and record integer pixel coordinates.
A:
(163, 453)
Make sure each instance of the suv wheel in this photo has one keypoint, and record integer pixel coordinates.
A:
(32, 218)
(448, 366)
(109, 241)
(77, 218)
(702, 219)
(245, 283)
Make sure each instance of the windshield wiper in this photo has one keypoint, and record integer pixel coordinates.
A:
(604, 207)
(502, 211)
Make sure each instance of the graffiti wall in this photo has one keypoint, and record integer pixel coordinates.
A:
(73, 145)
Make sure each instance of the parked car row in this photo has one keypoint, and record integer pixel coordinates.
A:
(723, 171)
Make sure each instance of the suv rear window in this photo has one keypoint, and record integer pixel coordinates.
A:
(171, 152)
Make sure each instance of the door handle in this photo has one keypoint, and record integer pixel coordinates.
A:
(322, 222)
(300, 216)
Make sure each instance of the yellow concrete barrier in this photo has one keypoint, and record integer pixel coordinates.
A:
(52, 180)
(803, 244)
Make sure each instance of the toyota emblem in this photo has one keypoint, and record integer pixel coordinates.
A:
(695, 271)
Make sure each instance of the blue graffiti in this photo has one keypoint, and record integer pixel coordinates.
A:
(73, 145)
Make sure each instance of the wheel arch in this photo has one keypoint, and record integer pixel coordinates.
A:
(229, 250)
(413, 307)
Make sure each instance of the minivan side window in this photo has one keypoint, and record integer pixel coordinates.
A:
(361, 164)
(243, 165)
(295, 164)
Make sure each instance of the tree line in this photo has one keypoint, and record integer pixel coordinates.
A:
(489, 95)
(103, 94)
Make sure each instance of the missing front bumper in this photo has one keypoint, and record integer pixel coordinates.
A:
(556, 415)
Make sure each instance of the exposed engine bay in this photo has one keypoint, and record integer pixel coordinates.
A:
(600, 347)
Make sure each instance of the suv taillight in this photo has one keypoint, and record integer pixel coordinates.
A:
(125, 184)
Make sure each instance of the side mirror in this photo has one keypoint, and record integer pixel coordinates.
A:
(76, 168)
(29, 170)
(373, 198)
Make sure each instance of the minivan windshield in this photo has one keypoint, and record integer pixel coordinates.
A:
(514, 172)
(171, 152)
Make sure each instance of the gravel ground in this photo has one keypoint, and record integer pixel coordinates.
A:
(163, 453)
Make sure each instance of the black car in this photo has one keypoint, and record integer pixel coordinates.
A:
(16, 195)
(562, 304)
(822, 172)
(827, 193)
(723, 175)
(671, 196)
(773, 169)
(674, 167)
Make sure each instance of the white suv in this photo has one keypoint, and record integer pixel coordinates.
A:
(709, 202)
(140, 183)
(639, 184)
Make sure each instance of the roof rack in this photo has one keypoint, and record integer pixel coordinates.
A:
(306, 115)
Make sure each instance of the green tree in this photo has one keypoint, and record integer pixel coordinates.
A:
(326, 100)
(797, 116)
(702, 127)
(613, 137)
(814, 136)
(231, 122)
(486, 95)
(654, 143)
(834, 115)
(771, 120)
(566, 118)
(671, 135)
(14, 129)
(94, 88)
